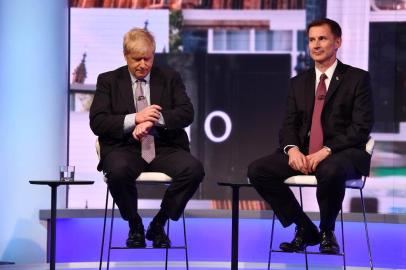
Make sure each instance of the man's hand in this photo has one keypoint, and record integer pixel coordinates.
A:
(314, 159)
(150, 113)
(142, 129)
(297, 160)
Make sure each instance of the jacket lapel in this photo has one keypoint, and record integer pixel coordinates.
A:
(310, 88)
(335, 81)
(156, 86)
(126, 90)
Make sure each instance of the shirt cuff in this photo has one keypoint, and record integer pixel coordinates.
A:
(328, 149)
(287, 147)
(129, 123)
(161, 121)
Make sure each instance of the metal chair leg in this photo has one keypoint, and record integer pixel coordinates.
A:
(366, 229)
(271, 244)
(167, 249)
(342, 238)
(104, 229)
(301, 205)
(185, 241)
(111, 234)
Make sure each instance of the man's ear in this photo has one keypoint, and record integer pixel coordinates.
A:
(337, 43)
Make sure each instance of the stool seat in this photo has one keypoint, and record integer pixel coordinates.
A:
(311, 181)
(151, 177)
(154, 177)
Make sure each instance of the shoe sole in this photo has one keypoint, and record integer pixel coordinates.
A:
(151, 236)
(330, 252)
(136, 246)
(130, 244)
(161, 246)
(300, 250)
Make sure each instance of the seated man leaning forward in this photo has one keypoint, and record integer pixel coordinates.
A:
(329, 116)
(139, 112)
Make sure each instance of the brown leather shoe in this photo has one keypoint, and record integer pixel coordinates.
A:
(136, 237)
(328, 243)
(303, 238)
(156, 233)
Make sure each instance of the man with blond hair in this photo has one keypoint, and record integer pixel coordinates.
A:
(139, 113)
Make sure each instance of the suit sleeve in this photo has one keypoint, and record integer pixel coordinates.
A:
(180, 114)
(357, 133)
(102, 121)
(289, 132)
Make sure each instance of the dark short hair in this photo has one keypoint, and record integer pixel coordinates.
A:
(334, 26)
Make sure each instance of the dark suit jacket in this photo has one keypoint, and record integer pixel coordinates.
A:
(347, 115)
(114, 100)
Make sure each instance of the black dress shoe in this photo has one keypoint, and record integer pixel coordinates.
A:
(328, 243)
(303, 237)
(136, 237)
(157, 235)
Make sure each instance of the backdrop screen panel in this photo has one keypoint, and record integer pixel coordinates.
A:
(236, 65)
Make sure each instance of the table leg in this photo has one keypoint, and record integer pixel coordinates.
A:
(234, 227)
(53, 227)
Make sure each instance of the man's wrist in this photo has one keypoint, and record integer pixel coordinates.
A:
(288, 147)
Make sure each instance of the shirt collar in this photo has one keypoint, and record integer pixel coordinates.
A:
(146, 78)
(329, 72)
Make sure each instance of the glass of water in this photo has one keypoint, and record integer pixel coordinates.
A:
(66, 173)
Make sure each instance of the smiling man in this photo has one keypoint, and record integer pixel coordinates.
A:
(139, 113)
(329, 115)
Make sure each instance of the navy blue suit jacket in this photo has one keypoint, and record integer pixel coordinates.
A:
(347, 115)
(114, 99)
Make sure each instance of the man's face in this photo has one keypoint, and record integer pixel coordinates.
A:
(323, 45)
(140, 60)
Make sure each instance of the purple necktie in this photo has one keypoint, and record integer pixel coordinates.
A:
(147, 142)
(316, 131)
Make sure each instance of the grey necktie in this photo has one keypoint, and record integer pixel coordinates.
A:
(147, 142)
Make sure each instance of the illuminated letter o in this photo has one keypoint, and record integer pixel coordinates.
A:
(207, 126)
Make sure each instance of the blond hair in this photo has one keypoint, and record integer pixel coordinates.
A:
(134, 35)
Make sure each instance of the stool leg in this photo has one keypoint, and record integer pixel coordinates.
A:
(167, 249)
(185, 241)
(342, 238)
(366, 229)
(111, 234)
(301, 205)
(104, 229)
(271, 244)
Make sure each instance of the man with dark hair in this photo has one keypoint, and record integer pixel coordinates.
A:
(329, 116)
(139, 113)
(334, 26)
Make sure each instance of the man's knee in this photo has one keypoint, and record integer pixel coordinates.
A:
(196, 170)
(120, 172)
(252, 172)
(330, 173)
(255, 171)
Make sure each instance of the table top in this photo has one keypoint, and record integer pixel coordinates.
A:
(60, 183)
(234, 184)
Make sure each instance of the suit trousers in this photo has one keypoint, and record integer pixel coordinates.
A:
(123, 165)
(267, 175)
